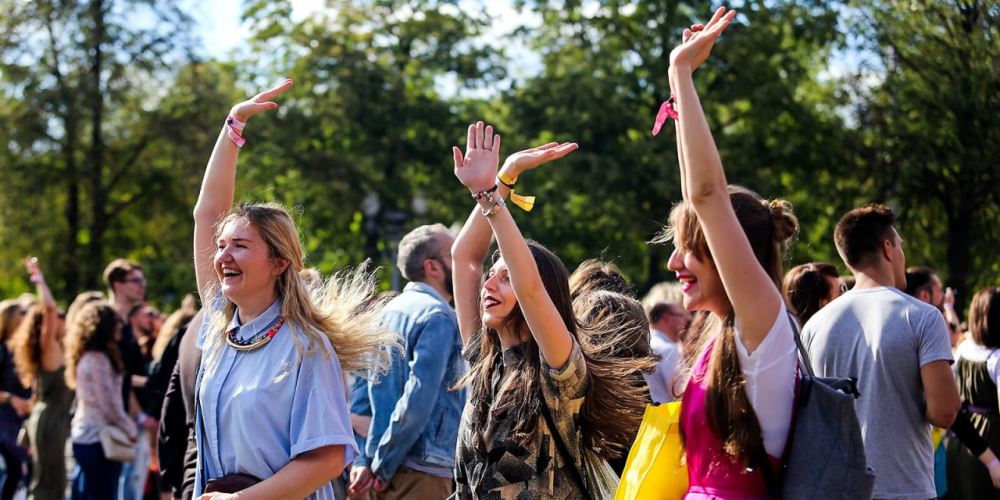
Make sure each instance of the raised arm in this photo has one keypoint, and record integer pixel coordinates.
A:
(543, 319)
(473, 243)
(48, 339)
(44, 293)
(755, 301)
(216, 197)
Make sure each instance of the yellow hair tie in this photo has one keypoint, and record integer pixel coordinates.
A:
(525, 202)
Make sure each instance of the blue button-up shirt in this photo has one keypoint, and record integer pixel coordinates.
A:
(415, 412)
(262, 408)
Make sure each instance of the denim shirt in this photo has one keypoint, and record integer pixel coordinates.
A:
(415, 414)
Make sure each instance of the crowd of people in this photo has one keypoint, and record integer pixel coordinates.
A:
(286, 385)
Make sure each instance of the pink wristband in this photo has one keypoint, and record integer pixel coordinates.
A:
(994, 463)
(234, 126)
(667, 110)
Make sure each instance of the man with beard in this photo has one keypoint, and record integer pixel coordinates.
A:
(410, 452)
(924, 284)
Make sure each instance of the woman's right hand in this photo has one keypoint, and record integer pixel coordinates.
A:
(521, 161)
(477, 170)
(259, 103)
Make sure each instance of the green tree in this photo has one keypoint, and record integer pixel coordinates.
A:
(82, 79)
(931, 125)
(605, 75)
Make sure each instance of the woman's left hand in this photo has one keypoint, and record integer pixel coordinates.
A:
(477, 170)
(698, 41)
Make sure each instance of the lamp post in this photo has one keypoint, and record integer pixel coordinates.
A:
(387, 224)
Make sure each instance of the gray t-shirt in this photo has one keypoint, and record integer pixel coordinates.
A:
(883, 337)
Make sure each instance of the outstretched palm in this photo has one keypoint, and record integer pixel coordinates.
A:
(698, 40)
(260, 102)
(528, 159)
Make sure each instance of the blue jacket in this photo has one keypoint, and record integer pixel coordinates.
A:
(415, 414)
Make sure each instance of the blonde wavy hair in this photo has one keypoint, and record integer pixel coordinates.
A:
(335, 309)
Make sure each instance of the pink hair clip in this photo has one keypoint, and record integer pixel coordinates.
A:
(667, 109)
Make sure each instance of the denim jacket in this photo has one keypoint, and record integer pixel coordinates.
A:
(415, 414)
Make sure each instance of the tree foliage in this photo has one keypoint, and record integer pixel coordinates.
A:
(110, 121)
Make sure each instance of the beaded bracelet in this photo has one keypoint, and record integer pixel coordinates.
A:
(234, 129)
(487, 194)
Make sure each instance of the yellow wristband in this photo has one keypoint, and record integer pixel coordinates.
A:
(525, 202)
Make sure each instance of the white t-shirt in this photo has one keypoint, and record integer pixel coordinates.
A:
(661, 380)
(883, 337)
(769, 376)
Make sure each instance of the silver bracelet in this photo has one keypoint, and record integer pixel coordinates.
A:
(495, 208)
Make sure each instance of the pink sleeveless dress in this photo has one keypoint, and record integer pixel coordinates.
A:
(711, 474)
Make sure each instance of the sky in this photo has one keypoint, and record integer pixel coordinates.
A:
(221, 32)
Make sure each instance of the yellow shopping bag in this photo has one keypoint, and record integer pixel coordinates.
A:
(656, 468)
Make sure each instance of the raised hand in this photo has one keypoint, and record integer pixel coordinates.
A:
(31, 265)
(698, 40)
(528, 159)
(477, 169)
(260, 102)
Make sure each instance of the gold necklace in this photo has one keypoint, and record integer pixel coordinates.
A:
(251, 344)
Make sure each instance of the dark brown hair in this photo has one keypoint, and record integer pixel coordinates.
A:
(919, 278)
(859, 234)
(93, 329)
(984, 317)
(520, 396)
(118, 271)
(806, 287)
(768, 226)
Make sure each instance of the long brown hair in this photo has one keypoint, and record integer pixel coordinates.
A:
(520, 397)
(984, 317)
(9, 310)
(362, 345)
(614, 337)
(93, 329)
(768, 227)
(27, 345)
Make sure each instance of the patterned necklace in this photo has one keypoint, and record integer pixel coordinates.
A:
(255, 341)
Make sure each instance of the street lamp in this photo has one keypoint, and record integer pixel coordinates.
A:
(387, 224)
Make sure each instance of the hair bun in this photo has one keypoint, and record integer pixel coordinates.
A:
(785, 222)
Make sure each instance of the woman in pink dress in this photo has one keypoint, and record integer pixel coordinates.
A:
(728, 250)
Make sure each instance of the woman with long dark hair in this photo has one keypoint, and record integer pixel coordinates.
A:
(38, 354)
(545, 411)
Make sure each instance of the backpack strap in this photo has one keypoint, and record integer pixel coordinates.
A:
(567, 458)
(798, 343)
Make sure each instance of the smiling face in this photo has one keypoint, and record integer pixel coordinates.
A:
(244, 263)
(497, 296)
(702, 285)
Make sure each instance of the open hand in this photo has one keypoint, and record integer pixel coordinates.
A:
(519, 162)
(698, 40)
(477, 170)
(31, 265)
(260, 102)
